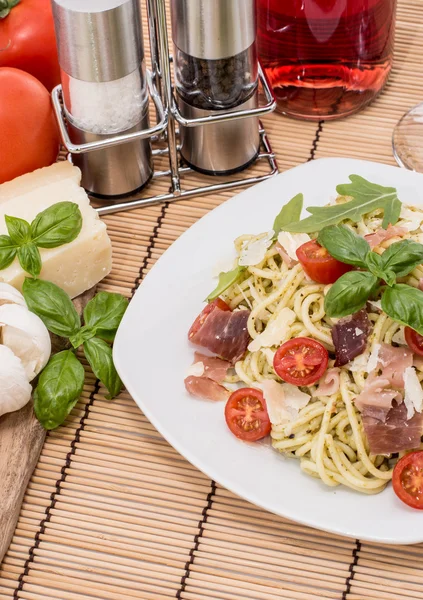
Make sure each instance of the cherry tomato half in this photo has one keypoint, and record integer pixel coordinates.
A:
(319, 264)
(199, 321)
(414, 340)
(246, 415)
(407, 479)
(301, 361)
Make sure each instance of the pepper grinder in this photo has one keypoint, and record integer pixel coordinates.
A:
(216, 70)
(104, 90)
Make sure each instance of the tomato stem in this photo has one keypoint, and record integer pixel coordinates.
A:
(6, 6)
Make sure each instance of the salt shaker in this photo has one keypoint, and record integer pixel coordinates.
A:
(216, 70)
(104, 88)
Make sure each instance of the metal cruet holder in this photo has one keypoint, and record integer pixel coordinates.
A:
(168, 116)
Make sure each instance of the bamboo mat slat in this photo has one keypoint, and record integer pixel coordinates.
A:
(112, 512)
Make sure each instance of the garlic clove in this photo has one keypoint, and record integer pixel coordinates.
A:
(27, 336)
(10, 295)
(15, 390)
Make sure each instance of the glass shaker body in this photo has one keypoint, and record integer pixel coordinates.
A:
(326, 58)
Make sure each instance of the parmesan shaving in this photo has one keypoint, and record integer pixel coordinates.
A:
(413, 398)
(253, 251)
(290, 242)
(276, 332)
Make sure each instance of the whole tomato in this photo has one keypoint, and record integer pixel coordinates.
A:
(27, 39)
(29, 137)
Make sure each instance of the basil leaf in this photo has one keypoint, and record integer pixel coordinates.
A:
(99, 355)
(366, 196)
(344, 245)
(350, 293)
(57, 225)
(59, 388)
(52, 305)
(19, 230)
(374, 263)
(402, 257)
(225, 281)
(290, 213)
(404, 304)
(104, 313)
(8, 251)
(84, 334)
(30, 259)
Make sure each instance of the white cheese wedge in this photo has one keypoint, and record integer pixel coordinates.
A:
(276, 331)
(283, 401)
(413, 398)
(373, 359)
(290, 242)
(75, 267)
(253, 251)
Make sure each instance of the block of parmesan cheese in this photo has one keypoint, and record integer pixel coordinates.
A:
(75, 267)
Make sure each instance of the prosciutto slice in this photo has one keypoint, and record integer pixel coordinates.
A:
(349, 337)
(392, 362)
(376, 398)
(224, 333)
(393, 433)
(374, 239)
(328, 384)
(205, 388)
(214, 368)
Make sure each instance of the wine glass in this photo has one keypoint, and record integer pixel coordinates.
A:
(407, 140)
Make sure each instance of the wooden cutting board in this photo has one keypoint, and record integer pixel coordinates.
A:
(21, 441)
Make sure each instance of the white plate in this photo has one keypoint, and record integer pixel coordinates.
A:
(152, 354)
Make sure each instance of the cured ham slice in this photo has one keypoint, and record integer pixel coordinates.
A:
(375, 239)
(224, 333)
(214, 368)
(393, 433)
(328, 384)
(392, 362)
(376, 398)
(350, 337)
(205, 388)
(290, 262)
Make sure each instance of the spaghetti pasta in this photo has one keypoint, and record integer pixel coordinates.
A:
(327, 436)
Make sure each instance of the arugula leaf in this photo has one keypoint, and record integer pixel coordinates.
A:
(99, 355)
(344, 245)
(18, 229)
(404, 304)
(366, 196)
(225, 281)
(8, 251)
(30, 259)
(59, 388)
(402, 257)
(290, 213)
(52, 305)
(104, 313)
(350, 293)
(57, 225)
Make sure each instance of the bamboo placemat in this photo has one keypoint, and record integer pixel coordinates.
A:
(113, 512)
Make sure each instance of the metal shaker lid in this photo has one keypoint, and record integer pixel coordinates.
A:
(98, 40)
(213, 29)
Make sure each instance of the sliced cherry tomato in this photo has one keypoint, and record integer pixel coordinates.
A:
(319, 264)
(246, 415)
(199, 321)
(407, 479)
(301, 361)
(414, 340)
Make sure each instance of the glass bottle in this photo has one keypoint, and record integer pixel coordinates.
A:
(326, 58)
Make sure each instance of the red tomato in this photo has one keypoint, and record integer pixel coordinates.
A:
(246, 415)
(301, 361)
(319, 264)
(199, 321)
(407, 479)
(414, 340)
(29, 138)
(27, 41)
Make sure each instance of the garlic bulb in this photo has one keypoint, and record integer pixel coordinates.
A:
(10, 295)
(15, 391)
(27, 336)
